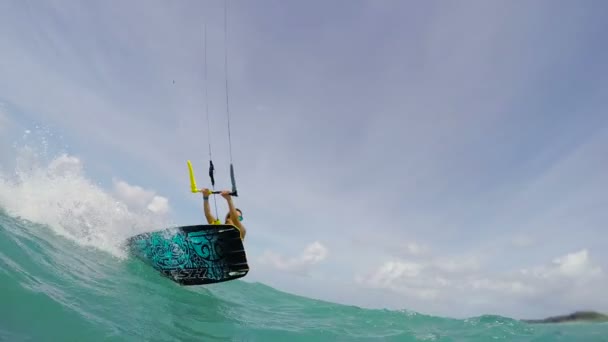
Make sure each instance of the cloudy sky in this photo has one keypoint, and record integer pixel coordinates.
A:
(448, 158)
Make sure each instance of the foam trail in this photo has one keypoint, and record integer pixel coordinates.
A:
(58, 194)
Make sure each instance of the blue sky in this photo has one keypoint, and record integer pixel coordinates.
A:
(447, 158)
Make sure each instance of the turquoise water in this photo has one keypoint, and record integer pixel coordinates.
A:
(58, 289)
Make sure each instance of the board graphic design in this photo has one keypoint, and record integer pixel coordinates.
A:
(193, 255)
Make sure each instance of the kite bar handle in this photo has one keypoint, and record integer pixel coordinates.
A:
(195, 189)
(219, 192)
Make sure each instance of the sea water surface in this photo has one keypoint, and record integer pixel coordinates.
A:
(65, 277)
(54, 289)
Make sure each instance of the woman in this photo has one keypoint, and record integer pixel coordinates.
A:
(232, 212)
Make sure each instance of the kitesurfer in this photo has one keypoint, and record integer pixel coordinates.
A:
(232, 211)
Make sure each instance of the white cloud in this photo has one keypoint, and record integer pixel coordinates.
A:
(393, 271)
(405, 278)
(501, 286)
(132, 194)
(139, 198)
(312, 254)
(402, 277)
(575, 265)
(159, 205)
(462, 282)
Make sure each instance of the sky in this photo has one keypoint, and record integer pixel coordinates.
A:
(442, 157)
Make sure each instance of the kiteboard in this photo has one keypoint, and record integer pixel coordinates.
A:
(193, 255)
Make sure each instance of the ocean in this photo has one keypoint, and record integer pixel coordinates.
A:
(54, 288)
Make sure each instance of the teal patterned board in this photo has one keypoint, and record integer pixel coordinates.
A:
(193, 255)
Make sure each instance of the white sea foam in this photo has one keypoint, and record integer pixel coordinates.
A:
(56, 192)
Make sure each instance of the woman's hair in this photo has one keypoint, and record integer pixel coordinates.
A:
(228, 214)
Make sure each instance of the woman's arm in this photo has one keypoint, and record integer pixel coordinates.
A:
(210, 218)
(234, 215)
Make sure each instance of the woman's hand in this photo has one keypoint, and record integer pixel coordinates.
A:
(226, 194)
